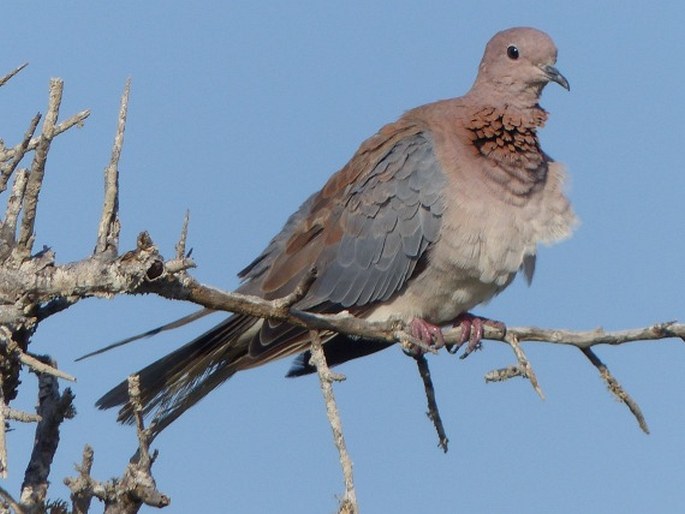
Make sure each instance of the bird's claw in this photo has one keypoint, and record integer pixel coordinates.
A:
(472, 329)
(426, 333)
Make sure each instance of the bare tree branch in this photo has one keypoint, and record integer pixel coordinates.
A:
(18, 415)
(523, 364)
(12, 73)
(35, 181)
(187, 288)
(14, 206)
(40, 366)
(3, 434)
(616, 389)
(135, 488)
(17, 154)
(348, 503)
(83, 488)
(433, 412)
(108, 232)
(181, 245)
(53, 409)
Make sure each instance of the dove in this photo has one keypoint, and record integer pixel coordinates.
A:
(433, 215)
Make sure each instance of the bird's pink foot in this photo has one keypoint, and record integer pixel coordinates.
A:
(428, 334)
(472, 328)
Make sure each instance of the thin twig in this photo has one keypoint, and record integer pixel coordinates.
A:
(18, 152)
(174, 266)
(433, 413)
(616, 389)
(3, 438)
(138, 473)
(181, 245)
(143, 434)
(523, 363)
(15, 200)
(21, 416)
(588, 338)
(326, 379)
(502, 374)
(41, 367)
(35, 181)
(81, 487)
(300, 291)
(11, 501)
(53, 408)
(12, 73)
(108, 231)
(75, 120)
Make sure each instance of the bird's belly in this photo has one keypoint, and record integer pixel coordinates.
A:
(471, 263)
(437, 297)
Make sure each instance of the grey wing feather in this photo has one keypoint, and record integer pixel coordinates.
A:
(390, 219)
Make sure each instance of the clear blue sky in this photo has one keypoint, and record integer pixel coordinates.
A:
(239, 110)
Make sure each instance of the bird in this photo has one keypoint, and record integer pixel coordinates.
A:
(433, 215)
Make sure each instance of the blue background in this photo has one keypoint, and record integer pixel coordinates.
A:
(239, 110)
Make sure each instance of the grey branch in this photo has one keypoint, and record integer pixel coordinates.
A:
(394, 331)
(181, 245)
(433, 412)
(348, 503)
(135, 488)
(108, 232)
(12, 159)
(187, 288)
(37, 172)
(616, 389)
(12, 73)
(53, 409)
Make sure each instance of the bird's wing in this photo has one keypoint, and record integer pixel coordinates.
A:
(366, 233)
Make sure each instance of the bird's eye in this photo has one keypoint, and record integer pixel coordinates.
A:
(512, 52)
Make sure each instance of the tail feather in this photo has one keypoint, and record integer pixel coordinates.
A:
(177, 381)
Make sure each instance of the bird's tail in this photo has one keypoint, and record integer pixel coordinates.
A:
(177, 381)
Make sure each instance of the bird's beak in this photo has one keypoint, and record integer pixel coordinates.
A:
(555, 75)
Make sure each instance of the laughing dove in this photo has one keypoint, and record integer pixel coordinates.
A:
(433, 215)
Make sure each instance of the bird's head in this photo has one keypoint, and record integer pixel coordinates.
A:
(516, 66)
